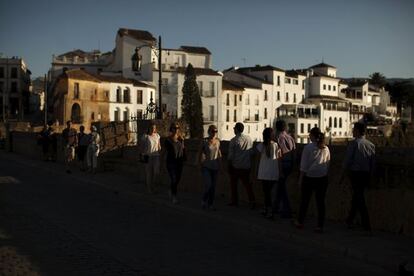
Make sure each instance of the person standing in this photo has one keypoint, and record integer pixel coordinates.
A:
(83, 142)
(43, 140)
(359, 163)
(314, 167)
(151, 157)
(174, 145)
(209, 157)
(268, 171)
(93, 149)
(239, 157)
(288, 150)
(70, 141)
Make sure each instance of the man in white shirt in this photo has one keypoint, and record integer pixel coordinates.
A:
(239, 157)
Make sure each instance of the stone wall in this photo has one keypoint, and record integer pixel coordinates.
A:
(390, 196)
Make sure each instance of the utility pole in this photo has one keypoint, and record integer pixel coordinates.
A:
(5, 91)
(159, 79)
(45, 98)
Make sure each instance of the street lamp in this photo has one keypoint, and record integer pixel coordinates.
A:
(136, 61)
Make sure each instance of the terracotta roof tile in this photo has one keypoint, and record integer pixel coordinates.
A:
(137, 34)
(196, 50)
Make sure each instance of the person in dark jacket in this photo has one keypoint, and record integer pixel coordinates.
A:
(174, 145)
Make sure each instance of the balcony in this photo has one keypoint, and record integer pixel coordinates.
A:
(208, 94)
(252, 119)
(210, 119)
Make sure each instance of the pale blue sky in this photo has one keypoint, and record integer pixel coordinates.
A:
(358, 37)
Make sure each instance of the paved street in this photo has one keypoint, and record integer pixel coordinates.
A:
(52, 223)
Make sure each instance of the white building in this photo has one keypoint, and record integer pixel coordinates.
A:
(230, 108)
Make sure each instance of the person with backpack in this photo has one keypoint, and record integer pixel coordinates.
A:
(288, 151)
(313, 177)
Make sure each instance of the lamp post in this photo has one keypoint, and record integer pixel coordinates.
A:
(159, 55)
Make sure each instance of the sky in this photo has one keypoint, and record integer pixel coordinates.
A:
(357, 36)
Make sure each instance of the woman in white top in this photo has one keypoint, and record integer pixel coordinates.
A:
(210, 156)
(314, 167)
(151, 156)
(93, 149)
(268, 171)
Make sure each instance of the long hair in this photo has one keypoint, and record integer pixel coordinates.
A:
(268, 137)
(319, 137)
(149, 129)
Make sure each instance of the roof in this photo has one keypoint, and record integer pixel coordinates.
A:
(196, 50)
(357, 82)
(373, 88)
(317, 74)
(294, 73)
(231, 85)
(200, 71)
(137, 34)
(262, 68)
(242, 84)
(80, 53)
(80, 74)
(324, 97)
(238, 71)
(322, 64)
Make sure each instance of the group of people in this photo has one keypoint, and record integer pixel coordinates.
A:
(276, 159)
(81, 145)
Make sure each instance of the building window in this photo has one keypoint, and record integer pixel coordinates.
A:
(265, 95)
(227, 127)
(13, 87)
(303, 84)
(329, 87)
(330, 122)
(139, 97)
(139, 114)
(287, 97)
(324, 87)
(211, 92)
(295, 82)
(240, 98)
(235, 115)
(76, 114)
(302, 128)
(235, 100)
(257, 100)
(335, 123)
(248, 99)
(287, 80)
(334, 87)
(13, 73)
(119, 95)
(303, 98)
(127, 96)
(126, 115)
(309, 127)
(165, 86)
(227, 115)
(93, 116)
(76, 91)
(340, 122)
(265, 113)
(1, 72)
(227, 99)
(200, 87)
(294, 97)
(256, 116)
(278, 96)
(211, 113)
(116, 115)
(278, 80)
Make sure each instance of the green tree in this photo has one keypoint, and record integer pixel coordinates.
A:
(378, 79)
(191, 104)
(402, 92)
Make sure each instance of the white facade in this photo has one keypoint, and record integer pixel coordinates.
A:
(128, 101)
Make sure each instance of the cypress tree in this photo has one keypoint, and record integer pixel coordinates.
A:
(191, 104)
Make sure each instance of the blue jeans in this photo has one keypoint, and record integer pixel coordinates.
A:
(210, 181)
(175, 170)
(281, 204)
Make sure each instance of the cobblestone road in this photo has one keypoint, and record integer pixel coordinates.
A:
(53, 224)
